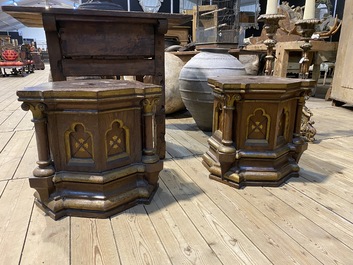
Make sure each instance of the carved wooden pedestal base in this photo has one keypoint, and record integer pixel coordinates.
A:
(256, 130)
(96, 146)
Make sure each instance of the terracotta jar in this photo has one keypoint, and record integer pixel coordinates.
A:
(194, 89)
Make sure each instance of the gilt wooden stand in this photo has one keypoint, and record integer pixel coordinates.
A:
(256, 130)
(96, 145)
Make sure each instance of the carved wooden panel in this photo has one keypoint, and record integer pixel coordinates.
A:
(258, 127)
(90, 39)
(117, 141)
(79, 144)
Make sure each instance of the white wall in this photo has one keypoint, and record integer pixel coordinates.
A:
(37, 34)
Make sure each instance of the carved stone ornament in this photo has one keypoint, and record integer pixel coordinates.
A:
(151, 6)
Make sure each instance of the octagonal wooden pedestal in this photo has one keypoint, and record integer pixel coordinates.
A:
(96, 145)
(256, 130)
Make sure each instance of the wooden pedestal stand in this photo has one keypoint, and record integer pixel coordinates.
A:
(96, 145)
(256, 130)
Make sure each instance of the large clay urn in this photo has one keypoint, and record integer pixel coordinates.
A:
(195, 92)
(173, 66)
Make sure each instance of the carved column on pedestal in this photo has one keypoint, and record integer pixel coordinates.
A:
(227, 150)
(43, 174)
(149, 138)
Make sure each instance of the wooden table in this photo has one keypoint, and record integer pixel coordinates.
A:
(283, 50)
(256, 130)
(84, 42)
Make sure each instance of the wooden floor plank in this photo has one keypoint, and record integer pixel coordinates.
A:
(12, 121)
(137, 241)
(12, 154)
(332, 161)
(17, 199)
(12, 104)
(177, 233)
(331, 120)
(226, 240)
(278, 247)
(8, 92)
(4, 116)
(324, 246)
(313, 172)
(324, 197)
(174, 148)
(330, 151)
(192, 219)
(325, 163)
(92, 242)
(26, 123)
(28, 161)
(4, 138)
(167, 155)
(318, 214)
(188, 125)
(2, 186)
(5, 94)
(47, 241)
(186, 140)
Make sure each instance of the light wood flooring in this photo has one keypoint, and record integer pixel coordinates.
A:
(192, 219)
